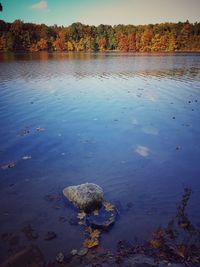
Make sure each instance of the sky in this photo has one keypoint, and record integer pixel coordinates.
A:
(95, 12)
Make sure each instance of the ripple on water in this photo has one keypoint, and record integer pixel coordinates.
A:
(108, 119)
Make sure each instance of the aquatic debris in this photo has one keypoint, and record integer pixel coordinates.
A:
(104, 218)
(39, 129)
(155, 243)
(74, 252)
(8, 165)
(90, 243)
(108, 206)
(24, 132)
(60, 257)
(81, 215)
(96, 212)
(93, 238)
(93, 233)
(26, 157)
(50, 235)
(82, 251)
(29, 232)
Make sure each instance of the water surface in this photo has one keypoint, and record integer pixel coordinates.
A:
(128, 122)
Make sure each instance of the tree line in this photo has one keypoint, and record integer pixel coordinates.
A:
(163, 37)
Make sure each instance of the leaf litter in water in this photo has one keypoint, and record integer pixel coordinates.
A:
(108, 206)
(90, 243)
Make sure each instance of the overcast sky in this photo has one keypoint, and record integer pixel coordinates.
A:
(95, 12)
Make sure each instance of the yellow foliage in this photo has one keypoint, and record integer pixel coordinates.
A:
(90, 243)
(95, 234)
(158, 234)
(155, 243)
(108, 206)
(181, 251)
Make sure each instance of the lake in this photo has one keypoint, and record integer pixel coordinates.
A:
(127, 122)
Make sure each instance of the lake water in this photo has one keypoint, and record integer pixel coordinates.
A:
(128, 122)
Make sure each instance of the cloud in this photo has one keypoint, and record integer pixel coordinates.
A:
(41, 5)
(150, 130)
(142, 151)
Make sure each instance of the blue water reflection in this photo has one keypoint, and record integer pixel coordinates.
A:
(128, 122)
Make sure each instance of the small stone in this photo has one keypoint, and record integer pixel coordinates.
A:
(60, 257)
(82, 252)
(74, 252)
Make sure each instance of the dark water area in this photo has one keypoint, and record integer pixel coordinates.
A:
(127, 122)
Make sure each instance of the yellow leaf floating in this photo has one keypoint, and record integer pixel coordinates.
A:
(81, 215)
(158, 234)
(155, 243)
(90, 243)
(181, 251)
(108, 206)
(95, 234)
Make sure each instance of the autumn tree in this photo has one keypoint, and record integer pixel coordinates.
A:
(181, 36)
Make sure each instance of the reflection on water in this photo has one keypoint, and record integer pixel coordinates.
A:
(128, 122)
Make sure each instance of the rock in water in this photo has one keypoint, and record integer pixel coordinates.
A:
(87, 197)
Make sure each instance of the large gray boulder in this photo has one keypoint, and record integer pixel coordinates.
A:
(87, 197)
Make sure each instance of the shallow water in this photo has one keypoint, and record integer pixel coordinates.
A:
(128, 122)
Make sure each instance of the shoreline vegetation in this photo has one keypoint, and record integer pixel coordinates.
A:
(164, 37)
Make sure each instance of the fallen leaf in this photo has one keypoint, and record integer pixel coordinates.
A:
(88, 230)
(90, 243)
(81, 215)
(108, 206)
(180, 251)
(158, 234)
(95, 234)
(155, 243)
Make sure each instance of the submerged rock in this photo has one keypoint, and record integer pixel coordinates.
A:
(87, 197)
(104, 220)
